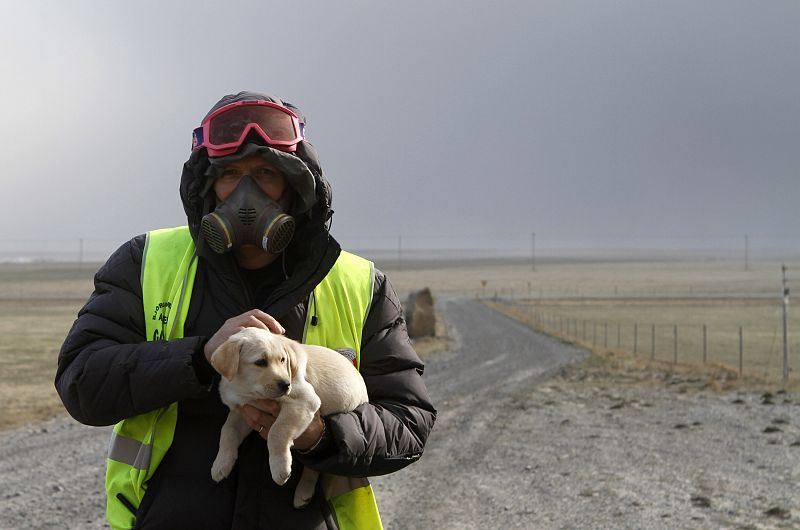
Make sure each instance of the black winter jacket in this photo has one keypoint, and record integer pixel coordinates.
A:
(107, 371)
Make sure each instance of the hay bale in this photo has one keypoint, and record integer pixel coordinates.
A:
(420, 314)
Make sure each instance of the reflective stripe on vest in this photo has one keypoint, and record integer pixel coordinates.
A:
(340, 304)
(139, 444)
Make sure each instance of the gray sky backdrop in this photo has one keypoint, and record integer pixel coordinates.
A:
(454, 124)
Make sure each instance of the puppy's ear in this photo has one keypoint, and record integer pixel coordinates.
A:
(290, 347)
(225, 359)
(292, 366)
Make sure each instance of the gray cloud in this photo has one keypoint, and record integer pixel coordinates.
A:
(433, 119)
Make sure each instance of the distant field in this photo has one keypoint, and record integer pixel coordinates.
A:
(635, 305)
(686, 331)
(32, 332)
(38, 303)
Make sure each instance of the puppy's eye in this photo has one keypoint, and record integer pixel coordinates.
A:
(261, 362)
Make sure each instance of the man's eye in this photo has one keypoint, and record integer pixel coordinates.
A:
(261, 362)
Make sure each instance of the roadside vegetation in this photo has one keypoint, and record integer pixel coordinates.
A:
(38, 303)
(624, 367)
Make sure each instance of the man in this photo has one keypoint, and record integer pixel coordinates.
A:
(257, 252)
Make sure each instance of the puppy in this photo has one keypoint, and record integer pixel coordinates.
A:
(257, 364)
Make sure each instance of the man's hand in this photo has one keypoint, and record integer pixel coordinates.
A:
(254, 318)
(262, 413)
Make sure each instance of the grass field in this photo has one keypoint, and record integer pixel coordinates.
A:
(635, 305)
(38, 303)
(32, 331)
(695, 332)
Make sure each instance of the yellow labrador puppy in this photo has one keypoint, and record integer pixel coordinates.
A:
(257, 364)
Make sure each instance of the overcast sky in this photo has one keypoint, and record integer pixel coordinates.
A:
(449, 123)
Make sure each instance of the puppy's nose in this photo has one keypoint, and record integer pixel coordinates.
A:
(283, 386)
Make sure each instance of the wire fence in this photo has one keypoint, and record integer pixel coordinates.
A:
(748, 349)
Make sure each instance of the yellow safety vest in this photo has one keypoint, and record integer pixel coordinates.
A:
(338, 306)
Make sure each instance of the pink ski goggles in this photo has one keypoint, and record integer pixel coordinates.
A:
(224, 130)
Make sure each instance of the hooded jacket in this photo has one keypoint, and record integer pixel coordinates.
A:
(108, 371)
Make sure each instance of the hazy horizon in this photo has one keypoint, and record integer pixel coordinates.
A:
(544, 248)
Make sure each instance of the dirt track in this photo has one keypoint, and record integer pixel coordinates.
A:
(520, 443)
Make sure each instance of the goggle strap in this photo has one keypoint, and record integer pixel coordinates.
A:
(197, 138)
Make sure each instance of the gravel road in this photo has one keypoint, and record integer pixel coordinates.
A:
(526, 438)
(521, 443)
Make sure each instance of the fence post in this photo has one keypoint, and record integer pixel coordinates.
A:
(705, 344)
(605, 334)
(653, 341)
(675, 345)
(619, 336)
(635, 338)
(741, 351)
(785, 340)
(594, 333)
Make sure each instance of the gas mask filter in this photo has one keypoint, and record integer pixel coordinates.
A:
(248, 217)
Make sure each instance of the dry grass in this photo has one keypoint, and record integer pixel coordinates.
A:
(687, 292)
(623, 367)
(39, 302)
(426, 347)
(32, 332)
(655, 327)
(560, 279)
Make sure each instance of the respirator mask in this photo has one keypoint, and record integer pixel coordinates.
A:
(248, 217)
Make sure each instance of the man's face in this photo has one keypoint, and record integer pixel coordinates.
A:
(269, 179)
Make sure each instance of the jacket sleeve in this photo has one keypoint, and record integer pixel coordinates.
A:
(107, 371)
(390, 431)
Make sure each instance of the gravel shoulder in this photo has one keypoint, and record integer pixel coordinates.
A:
(531, 433)
(607, 454)
(599, 442)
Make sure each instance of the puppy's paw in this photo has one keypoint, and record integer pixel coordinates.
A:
(222, 467)
(281, 469)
